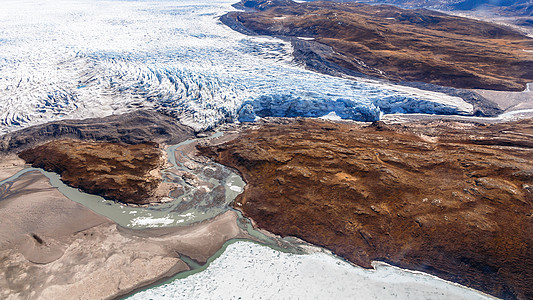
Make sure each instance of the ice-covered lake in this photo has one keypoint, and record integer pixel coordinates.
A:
(91, 58)
(250, 271)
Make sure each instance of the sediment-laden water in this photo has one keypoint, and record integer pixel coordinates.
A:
(283, 268)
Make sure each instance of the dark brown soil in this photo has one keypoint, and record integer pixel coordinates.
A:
(398, 44)
(113, 170)
(447, 198)
(132, 128)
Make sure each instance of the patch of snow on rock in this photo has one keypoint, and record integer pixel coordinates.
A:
(331, 116)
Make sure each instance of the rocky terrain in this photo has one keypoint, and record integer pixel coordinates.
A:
(132, 128)
(510, 12)
(510, 7)
(201, 74)
(396, 44)
(453, 199)
(126, 173)
(117, 157)
(82, 252)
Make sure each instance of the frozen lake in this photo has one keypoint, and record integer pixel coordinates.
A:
(80, 58)
(250, 271)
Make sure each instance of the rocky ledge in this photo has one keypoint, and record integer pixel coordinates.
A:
(116, 171)
(132, 128)
(451, 199)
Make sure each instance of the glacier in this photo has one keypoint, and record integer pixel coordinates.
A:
(90, 58)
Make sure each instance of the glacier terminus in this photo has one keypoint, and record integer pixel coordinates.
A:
(79, 59)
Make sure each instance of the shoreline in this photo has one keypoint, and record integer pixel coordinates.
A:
(197, 245)
(189, 86)
(314, 56)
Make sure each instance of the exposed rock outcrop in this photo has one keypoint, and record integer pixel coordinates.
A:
(448, 198)
(514, 8)
(132, 128)
(126, 173)
(397, 44)
(54, 248)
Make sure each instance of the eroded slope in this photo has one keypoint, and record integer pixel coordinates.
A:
(132, 128)
(451, 199)
(126, 173)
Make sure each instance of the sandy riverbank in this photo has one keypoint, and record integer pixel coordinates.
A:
(9, 165)
(79, 254)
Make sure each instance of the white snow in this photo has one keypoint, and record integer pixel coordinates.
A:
(529, 85)
(306, 38)
(331, 116)
(151, 222)
(235, 188)
(89, 58)
(250, 271)
(188, 215)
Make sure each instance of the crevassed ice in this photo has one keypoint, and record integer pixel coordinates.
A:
(89, 58)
